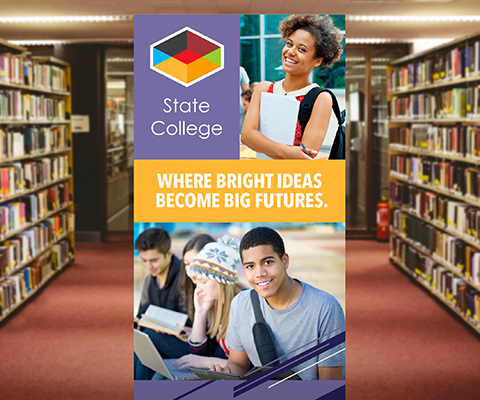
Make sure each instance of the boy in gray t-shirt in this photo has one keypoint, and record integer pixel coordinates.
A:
(296, 312)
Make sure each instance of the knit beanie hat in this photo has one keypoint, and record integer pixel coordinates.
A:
(217, 260)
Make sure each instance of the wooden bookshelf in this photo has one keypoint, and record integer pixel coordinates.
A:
(31, 272)
(34, 122)
(35, 189)
(435, 85)
(419, 87)
(27, 297)
(434, 257)
(425, 284)
(437, 154)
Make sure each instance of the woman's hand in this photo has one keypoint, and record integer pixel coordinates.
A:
(201, 305)
(219, 368)
(297, 153)
(192, 360)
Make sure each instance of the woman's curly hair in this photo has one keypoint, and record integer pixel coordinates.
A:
(328, 39)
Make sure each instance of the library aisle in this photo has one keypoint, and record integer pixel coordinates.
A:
(74, 340)
(401, 344)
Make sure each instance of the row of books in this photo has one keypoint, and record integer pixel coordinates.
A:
(14, 289)
(461, 217)
(453, 251)
(18, 106)
(20, 70)
(16, 178)
(454, 177)
(451, 103)
(31, 208)
(451, 288)
(454, 64)
(28, 244)
(32, 140)
(456, 140)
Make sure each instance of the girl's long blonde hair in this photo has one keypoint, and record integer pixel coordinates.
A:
(219, 314)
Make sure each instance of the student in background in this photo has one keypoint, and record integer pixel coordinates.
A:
(246, 98)
(185, 284)
(296, 312)
(215, 274)
(311, 40)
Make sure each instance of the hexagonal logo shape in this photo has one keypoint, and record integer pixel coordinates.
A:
(186, 56)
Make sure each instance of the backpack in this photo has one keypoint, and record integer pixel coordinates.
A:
(338, 148)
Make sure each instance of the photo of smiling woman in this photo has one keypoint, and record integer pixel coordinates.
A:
(311, 41)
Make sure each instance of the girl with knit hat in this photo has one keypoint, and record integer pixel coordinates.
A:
(214, 270)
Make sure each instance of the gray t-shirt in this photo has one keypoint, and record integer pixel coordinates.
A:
(315, 314)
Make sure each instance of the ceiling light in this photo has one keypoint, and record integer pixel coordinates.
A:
(376, 40)
(119, 60)
(52, 42)
(78, 18)
(413, 18)
(120, 73)
(119, 84)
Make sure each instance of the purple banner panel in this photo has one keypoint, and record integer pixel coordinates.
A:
(187, 89)
(199, 390)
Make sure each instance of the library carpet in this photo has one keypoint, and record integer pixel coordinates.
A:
(401, 344)
(74, 340)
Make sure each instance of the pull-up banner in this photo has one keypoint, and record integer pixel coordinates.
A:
(193, 178)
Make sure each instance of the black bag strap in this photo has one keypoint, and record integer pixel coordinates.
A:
(256, 306)
(262, 335)
(306, 107)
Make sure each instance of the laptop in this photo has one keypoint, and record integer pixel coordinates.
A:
(151, 358)
(207, 374)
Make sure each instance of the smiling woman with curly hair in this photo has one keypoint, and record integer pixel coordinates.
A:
(311, 40)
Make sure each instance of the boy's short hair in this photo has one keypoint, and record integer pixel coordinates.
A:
(262, 236)
(154, 239)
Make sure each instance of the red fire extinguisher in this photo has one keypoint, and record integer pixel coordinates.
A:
(383, 220)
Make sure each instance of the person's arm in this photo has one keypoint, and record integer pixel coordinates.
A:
(244, 86)
(317, 125)
(330, 373)
(254, 139)
(238, 363)
(199, 327)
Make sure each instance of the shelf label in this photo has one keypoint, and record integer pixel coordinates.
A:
(80, 123)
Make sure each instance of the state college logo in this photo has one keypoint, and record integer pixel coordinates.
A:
(186, 56)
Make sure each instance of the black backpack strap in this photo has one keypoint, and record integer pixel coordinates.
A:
(262, 335)
(306, 107)
(256, 306)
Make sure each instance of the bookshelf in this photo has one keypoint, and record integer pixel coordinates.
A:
(36, 167)
(434, 163)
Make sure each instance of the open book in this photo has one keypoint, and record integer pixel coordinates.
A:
(163, 320)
